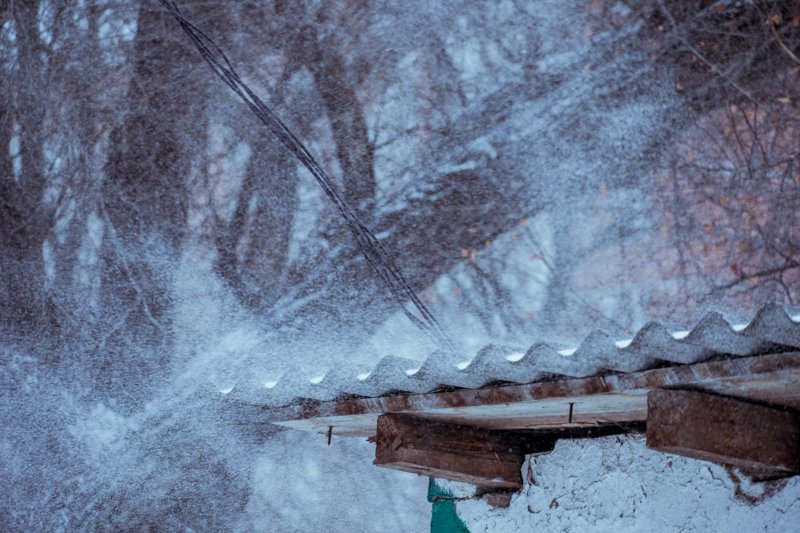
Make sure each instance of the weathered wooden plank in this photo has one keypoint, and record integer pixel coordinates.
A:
(490, 459)
(596, 401)
(724, 430)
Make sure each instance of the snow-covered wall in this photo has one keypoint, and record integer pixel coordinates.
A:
(618, 484)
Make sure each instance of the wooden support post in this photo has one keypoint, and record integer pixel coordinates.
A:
(724, 430)
(488, 459)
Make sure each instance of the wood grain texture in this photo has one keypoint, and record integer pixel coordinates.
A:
(489, 459)
(724, 430)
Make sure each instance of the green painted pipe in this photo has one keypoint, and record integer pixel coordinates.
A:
(443, 511)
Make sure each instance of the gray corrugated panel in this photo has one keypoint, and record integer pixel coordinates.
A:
(295, 382)
(653, 342)
(527, 366)
(773, 324)
(336, 381)
(599, 350)
(716, 334)
(389, 370)
(250, 388)
(536, 363)
(563, 363)
(771, 328)
(442, 368)
(492, 364)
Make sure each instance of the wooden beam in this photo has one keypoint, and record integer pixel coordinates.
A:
(596, 401)
(488, 459)
(724, 430)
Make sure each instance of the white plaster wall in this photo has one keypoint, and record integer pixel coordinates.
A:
(618, 484)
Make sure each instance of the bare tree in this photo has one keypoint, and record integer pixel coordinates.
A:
(544, 173)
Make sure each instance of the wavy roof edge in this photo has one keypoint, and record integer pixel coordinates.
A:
(772, 328)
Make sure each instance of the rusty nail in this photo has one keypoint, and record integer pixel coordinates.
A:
(571, 404)
(330, 434)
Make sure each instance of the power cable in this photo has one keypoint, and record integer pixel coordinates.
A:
(369, 245)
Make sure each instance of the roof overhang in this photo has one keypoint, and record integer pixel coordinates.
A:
(561, 403)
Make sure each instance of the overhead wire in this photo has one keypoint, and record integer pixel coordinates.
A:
(369, 245)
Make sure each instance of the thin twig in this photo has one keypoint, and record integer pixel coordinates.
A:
(700, 56)
(783, 46)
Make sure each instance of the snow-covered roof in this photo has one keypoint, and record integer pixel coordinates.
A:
(773, 328)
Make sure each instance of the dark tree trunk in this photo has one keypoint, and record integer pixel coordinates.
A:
(253, 247)
(334, 83)
(152, 150)
(24, 221)
(145, 199)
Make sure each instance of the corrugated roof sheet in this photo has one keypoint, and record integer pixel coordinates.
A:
(772, 329)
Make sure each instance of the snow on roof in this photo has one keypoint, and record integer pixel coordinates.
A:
(772, 329)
